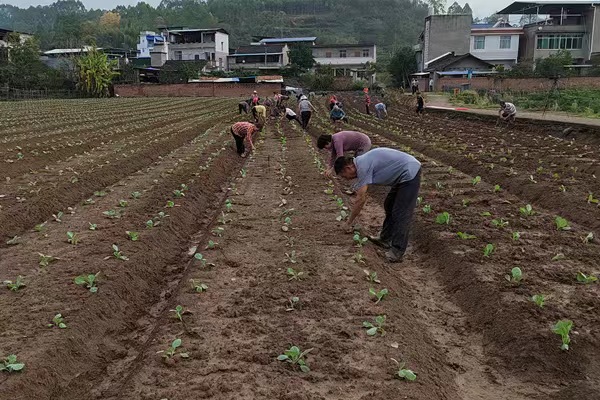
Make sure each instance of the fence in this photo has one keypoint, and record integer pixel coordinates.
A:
(23, 94)
(517, 84)
(203, 89)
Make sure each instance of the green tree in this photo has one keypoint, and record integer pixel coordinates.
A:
(554, 65)
(95, 73)
(301, 57)
(402, 64)
(455, 8)
(438, 6)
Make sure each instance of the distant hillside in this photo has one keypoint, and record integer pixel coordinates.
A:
(67, 23)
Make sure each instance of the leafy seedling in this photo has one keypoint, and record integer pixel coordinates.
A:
(466, 202)
(516, 275)
(291, 257)
(343, 215)
(419, 201)
(89, 281)
(372, 276)
(16, 285)
(443, 218)
(100, 193)
(373, 328)
(527, 211)
(497, 188)
(58, 321)
(486, 214)
(136, 195)
(592, 200)
(563, 328)
(539, 300)
(10, 364)
(358, 240)
(243, 173)
(172, 350)
(295, 275)
(112, 214)
(118, 254)
(561, 224)
(228, 205)
(562, 189)
(170, 204)
(133, 236)
(89, 202)
(72, 238)
(378, 295)
(465, 236)
(46, 260)
(476, 180)
(179, 312)
(40, 227)
(178, 193)
(198, 286)
(151, 224)
(295, 357)
(293, 302)
(516, 236)
(58, 216)
(218, 231)
(427, 209)
(162, 215)
(439, 185)
(586, 279)
(558, 257)
(93, 227)
(589, 238)
(14, 241)
(123, 203)
(500, 223)
(359, 257)
(488, 250)
(403, 373)
(200, 257)
(211, 245)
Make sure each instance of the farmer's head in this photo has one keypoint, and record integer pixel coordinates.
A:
(344, 167)
(503, 104)
(324, 142)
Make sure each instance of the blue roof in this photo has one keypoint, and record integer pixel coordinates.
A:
(289, 40)
(465, 72)
(482, 26)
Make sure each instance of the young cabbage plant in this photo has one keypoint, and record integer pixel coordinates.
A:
(358, 240)
(377, 327)
(136, 195)
(291, 257)
(403, 373)
(293, 304)
(589, 238)
(218, 231)
(516, 275)
(516, 236)
(527, 211)
(372, 276)
(72, 238)
(465, 236)
(342, 216)
(89, 281)
(133, 236)
(200, 257)
(16, 285)
(359, 257)
(170, 204)
(295, 356)
(172, 350)
(112, 214)
(14, 241)
(179, 312)
(561, 224)
(563, 328)
(539, 300)
(46, 260)
(211, 245)
(476, 180)
(123, 203)
(378, 295)
(488, 250)
(198, 286)
(500, 223)
(295, 275)
(92, 227)
(228, 205)
(89, 202)
(592, 200)
(10, 364)
(58, 216)
(40, 227)
(118, 254)
(497, 188)
(100, 193)
(58, 321)
(443, 218)
(586, 279)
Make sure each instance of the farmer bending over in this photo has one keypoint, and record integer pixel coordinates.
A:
(305, 109)
(243, 131)
(337, 114)
(244, 106)
(291, 115)
(385, 167)
(341, 143)
(507, 112)
(381, 110)
(260, 114)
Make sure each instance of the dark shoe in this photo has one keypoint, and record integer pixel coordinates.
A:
(377, 241)
(393, 257)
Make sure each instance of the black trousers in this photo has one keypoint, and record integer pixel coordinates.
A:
(239, 143)
(243, 108)
(368, 109)
(305, 117)
(294, 118)
(399, 208)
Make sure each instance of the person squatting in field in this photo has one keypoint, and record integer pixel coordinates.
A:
(402, 173)
(420, 103)
(337, 114)
(243, 131)
(305, 109)
(341, 143)
(290, 114)
(507, 112)
(381, 110)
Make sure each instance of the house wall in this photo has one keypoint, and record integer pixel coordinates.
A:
(22, 37)
(446, 33)
(204, 89)
(517, 85)
(492, 51)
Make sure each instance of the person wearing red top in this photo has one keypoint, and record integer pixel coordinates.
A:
(243, 131)
(367, 103)
(255, 99)
(332, 102)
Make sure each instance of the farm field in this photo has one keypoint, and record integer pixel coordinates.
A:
(199, 268)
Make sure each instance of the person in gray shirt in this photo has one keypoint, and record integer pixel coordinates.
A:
(386, 167)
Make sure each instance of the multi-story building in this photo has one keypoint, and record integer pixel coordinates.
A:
(350, 60)
(259, 57)
(563, 25)
(289, 41)
(497, 44)
(443, 34)
(5, 33)
(182, 44)
(148, 40)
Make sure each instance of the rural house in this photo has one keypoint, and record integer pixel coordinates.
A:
(349, 60)
(259, 57)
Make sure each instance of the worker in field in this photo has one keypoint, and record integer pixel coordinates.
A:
(254, 100)
(414, 85)
(420, 104)
(259, 112)
(332, 102)
(341, 143)
(243, 131)
(368, 103)
(337, 114)
(381, 110)
(305, 109)
(244, 106)
(277, 98)
(402, 173)
(290, 115)
(507, 112)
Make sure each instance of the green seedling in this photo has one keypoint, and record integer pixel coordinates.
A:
(476, 180)
(243, 172)
(378, 295)
(72, 238)
(403, 373)
(170, 204)
(112, 214)
(340, 202)
(419, 201)
(133, 236)
(497, 188)
(40, 227)
(358, 240)
(527, 211)
(373, 329)
(123, 203)
(178, 193)
(516, 275)
(118, 254)
(295, 275)
(586, 279)
(89, 202)
(93, 227)
(342, 216)
(287, 221)
(151, 224)
(465, 236)
(20, 156)
(558, 257)
(563, 328)
(588, 239)
(500, 223)
(359, 257)
(46, 260)
(443, 218)
(100, 193)
(14, 241)
(179, 312)
(291, 257)
(58, 321)
(162, 215)
(466, 202)
(486, 214)
(539, 300)
(198, 286)
(223, 218)
(58, 216)
(562, 189)
(228, 205)
(516, 236)
(211, 245)
(10, 364)
(183, 186)
(89, 281)
(427, 209)
(488, 250)
(16, 285)
(136, 195)
(592, 200)
(218, 231)
(372, 276)
(295, 357)
(172, 350)
(561, 224)
(293, 302)
(200, 257)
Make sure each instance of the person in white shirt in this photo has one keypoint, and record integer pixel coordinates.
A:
(507, 112)
(290, 114)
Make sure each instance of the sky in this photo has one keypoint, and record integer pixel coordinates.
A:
(481, 8)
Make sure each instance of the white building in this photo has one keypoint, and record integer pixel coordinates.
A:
(4, 33)
(148, 40)
(347, 59)
(497, 44)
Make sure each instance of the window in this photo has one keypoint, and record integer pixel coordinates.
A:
(221, 46)
(328, 54)
(479, 43)
(366, 53)
(505, 42)
(196, 57)
(357, 54)
(178, 55)
(342, 53)
(220, 62)
(565, 41)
